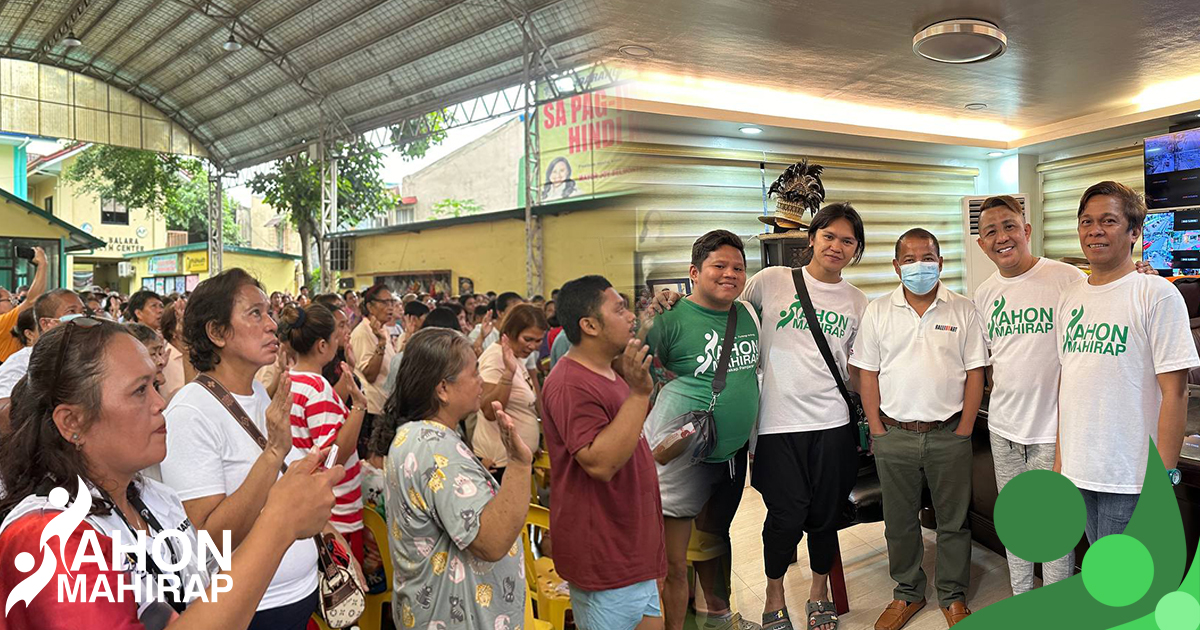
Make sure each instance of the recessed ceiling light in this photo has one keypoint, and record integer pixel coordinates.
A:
(975, 106)
(995, 153)
(960, 41)
(633, 50)
(751, 130)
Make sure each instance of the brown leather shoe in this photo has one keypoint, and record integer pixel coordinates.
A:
(897, 614)
(955, 613)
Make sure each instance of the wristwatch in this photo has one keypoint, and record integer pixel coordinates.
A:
(1175, 476)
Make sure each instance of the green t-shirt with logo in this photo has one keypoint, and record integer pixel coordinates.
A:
(687, 340)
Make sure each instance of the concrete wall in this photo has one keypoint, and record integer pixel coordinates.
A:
(263, 237)
(486, 170)
(492, 253)
(144, 232)
(275, 274)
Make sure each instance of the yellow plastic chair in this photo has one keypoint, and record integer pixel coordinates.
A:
(703, 547)
(540, 576)
(372, 617)
(532, 623)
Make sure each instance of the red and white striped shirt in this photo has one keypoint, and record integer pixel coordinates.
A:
(317, 415)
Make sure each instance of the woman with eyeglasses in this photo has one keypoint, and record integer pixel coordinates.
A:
(370, 342)
(86, 420)
(454, 530)
(228, 437)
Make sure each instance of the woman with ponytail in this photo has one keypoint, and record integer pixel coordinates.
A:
(319, 416)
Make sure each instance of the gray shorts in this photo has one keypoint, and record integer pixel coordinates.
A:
(685, 487)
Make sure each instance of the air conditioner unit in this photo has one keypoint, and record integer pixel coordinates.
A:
(125, 269)
(977, 267)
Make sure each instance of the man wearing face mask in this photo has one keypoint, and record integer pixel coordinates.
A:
(921, 353)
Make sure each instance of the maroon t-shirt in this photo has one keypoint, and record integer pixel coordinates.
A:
(613, 531)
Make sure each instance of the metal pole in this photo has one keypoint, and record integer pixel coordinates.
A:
(533, 226)
(216, 224)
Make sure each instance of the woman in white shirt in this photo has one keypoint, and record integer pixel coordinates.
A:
(219, 471)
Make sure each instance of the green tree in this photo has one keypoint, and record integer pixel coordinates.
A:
(434, 126)
(454, 208)
(169, 186)
(293, 187)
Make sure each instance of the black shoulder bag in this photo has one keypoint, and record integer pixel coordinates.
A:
(858, 418)
(704, 441)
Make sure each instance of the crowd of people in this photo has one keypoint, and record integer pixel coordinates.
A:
(179, 412)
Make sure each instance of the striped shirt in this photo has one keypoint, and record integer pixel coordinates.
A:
(317, 416)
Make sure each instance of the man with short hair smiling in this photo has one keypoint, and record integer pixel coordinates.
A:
(606, 497)
(1125, 347)
(1016, 305)
(921, 353)
(688, 340)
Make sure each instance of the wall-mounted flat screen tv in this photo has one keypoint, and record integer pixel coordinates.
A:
(1172, 164)
(1171, 242)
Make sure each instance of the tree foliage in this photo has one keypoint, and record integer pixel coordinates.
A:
(454, 208)
(434, 124)
(172, 187)
(293, 188)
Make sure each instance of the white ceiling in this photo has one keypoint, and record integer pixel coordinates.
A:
(1066, 59)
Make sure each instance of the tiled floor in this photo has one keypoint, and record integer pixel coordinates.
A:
(864, 558)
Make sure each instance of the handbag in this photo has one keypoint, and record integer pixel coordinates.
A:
(700, 425)
(342, 595)
(858, 417)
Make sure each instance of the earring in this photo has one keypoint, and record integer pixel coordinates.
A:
(74, 437)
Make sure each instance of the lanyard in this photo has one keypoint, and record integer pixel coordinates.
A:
(155, 527)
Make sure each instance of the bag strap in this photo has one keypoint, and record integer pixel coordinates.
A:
(814, 326)
(718, 383)
(231, 405)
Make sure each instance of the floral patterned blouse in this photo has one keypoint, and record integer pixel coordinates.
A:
(436, 489)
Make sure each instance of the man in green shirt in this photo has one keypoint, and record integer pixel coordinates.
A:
(687, 341)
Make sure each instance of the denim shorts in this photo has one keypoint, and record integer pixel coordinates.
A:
(615, 609)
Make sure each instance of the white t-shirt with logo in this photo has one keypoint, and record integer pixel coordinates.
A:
(922, 360)
(1113, 341)
(209, 453)
(1017, 315)
(798, 392)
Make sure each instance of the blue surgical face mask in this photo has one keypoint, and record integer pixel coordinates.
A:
(920, 277)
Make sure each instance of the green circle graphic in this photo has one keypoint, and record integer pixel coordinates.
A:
(1040, 516)
(1177, 611)
(1118, 570)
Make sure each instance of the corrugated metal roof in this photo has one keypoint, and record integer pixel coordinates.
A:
(356, 64)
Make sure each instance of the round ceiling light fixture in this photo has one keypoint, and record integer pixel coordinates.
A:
(960, 41)
(70, 41)
(232, 44)
(751, 130)
(975, 106)
(635, 51)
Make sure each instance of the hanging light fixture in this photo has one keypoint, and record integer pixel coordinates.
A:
(70, 41)
(232, 44)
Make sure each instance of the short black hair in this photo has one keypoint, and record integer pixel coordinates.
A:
(137, 302)
(713, 241)
(481, 310)
(442, 317)
(416, 308)
(920, 233)
(842, 210)
(212, 302)
(347, 293)
(506, 300)
(580, 298)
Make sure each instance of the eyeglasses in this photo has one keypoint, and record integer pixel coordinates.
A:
(78, 322)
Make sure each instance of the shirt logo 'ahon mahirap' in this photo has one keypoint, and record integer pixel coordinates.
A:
(1019, 321)
(1096, 338)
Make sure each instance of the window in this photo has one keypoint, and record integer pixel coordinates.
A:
(113, 213)
(404, 214)
(48, 204)
(341, 254)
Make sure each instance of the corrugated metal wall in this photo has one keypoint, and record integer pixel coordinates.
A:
(689, 191)
(1063, 183)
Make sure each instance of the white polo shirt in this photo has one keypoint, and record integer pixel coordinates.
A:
(922, 360)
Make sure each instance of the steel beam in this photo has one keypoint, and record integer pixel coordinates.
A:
(216, 223)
